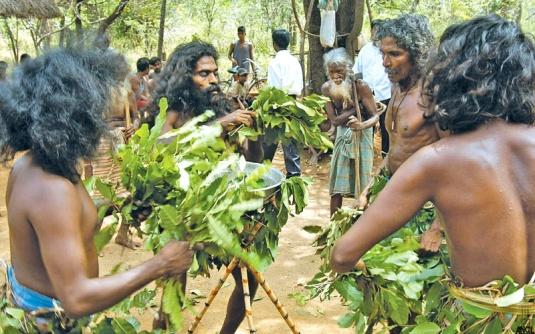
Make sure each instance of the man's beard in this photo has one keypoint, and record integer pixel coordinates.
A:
(341, 91)
(210, 98)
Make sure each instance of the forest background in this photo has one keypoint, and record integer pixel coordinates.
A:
(155, 27)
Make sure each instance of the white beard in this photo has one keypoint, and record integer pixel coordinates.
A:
(341, 92)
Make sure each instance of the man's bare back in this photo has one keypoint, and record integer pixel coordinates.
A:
(407, 128)
(478, 182)
(486, 203)
(33, 198)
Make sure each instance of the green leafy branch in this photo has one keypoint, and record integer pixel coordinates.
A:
(282, 118)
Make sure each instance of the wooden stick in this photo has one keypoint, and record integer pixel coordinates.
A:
(232, 265)
(358, 135)
(260, 279)
(252, 234)
(247, 298)
(127, 111)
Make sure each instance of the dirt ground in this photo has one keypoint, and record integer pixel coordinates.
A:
(294, 266)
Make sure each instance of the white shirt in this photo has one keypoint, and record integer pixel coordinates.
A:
(369, 62)
(285, 73)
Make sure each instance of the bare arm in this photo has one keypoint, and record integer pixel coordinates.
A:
(66, 253)
(134, 84)
(404, 195)
(170, 121)
(231, 54)
(368, 102)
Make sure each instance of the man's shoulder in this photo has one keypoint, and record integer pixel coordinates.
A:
(41, 187)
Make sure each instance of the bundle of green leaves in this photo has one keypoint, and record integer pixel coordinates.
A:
(194, 188)
(407, 291)
(282, 118)
(394, 288)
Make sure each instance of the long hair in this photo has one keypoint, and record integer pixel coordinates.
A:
(54, 104)
(484, 69)
(412, 33)
(175, 80)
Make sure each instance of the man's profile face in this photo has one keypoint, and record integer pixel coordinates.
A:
(396, 60)
(205, 75)
(337, 73)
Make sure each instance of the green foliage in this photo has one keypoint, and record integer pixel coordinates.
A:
(281, 118)
(391, 290)
(408, 291)
(12, 319)
(194, 188)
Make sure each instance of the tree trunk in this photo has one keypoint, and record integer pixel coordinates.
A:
(62, 32)
(78, 19)
(13, 42)
(518, 16)
(315, 73)
(349, 19)
(45, 31)
(349, 12)
(162, 28)
(369, 7)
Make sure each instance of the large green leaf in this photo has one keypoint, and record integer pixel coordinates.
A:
(172, 305)
(426, 328)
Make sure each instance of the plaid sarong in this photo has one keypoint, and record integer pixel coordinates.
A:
(351, 162)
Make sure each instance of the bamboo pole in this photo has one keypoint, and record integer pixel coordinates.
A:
(233, 264)
(260, 279)
(358, 138)
(247, 298)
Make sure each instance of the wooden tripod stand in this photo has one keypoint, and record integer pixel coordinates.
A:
(246, 295)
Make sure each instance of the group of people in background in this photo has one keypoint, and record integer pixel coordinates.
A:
(75, 96)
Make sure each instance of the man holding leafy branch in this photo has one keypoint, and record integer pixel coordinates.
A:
(479, 86)
(190, 83)
(53, 108)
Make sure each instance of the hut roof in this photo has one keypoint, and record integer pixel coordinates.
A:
(29, 8)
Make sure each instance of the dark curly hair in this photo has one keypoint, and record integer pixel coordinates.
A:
(484, 69)
(175, 81)
(412, 33)
(54, 105)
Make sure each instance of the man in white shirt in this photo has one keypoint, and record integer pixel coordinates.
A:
(369, 62)
(285, 73)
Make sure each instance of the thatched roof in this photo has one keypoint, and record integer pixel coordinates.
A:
(29, 8)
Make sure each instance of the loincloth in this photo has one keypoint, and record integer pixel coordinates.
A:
(42, 314)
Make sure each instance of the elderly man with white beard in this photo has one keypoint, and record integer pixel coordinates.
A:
(351, 101)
